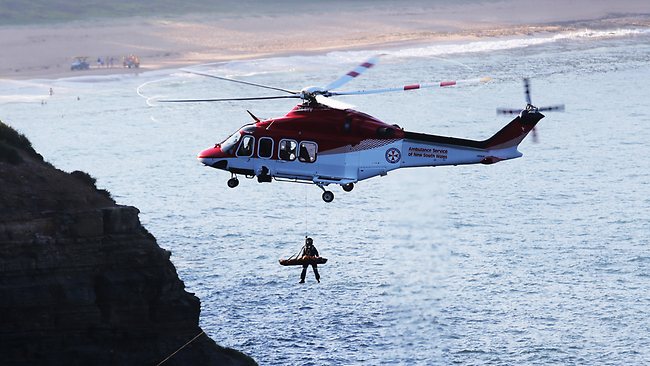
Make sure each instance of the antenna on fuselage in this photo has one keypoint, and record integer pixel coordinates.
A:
(252, 115)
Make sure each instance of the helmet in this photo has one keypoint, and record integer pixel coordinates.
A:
(309, 241)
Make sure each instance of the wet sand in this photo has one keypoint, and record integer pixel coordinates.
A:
(46, 51)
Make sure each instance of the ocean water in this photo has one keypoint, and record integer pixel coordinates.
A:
(538, 260)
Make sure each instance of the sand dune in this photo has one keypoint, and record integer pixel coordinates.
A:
(46, 51)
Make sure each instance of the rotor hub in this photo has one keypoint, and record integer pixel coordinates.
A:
(311, 92)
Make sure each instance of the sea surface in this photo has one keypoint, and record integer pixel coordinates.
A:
(538, 260)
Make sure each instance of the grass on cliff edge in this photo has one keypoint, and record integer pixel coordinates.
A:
(10, 140)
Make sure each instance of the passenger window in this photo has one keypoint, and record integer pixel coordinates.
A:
(246, 146)
(307, 152)
(287, 150)
(265, 148)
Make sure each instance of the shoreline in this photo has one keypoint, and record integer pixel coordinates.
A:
(46, 51)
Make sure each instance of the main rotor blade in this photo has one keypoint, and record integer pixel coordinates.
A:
(439, 84)
(352, 74)
(558, 107)
(508, 111)
(239, 81)
(527, 90)
(225, 99)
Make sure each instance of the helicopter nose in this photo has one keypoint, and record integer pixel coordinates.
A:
(210, 156)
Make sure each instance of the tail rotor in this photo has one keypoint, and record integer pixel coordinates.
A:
(531, 108)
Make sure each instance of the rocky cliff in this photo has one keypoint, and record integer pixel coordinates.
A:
(81, 281)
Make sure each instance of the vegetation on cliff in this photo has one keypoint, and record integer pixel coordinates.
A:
(10, 142)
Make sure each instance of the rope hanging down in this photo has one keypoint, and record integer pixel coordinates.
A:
(297, 254)
(183, 346)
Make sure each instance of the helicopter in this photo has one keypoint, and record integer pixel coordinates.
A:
(319, 143)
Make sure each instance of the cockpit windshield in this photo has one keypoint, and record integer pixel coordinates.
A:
(229, 144)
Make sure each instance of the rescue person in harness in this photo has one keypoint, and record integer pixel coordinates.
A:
(309, 250)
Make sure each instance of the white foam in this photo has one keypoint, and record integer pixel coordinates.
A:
(510, 43)
(300, 62)
(331, 60)
(601, 34)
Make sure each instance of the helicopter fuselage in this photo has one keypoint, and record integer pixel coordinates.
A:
(322, 145)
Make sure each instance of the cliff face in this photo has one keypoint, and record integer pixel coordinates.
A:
(81, 281)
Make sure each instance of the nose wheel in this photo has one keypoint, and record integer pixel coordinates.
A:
(233, 182)
(327, 195)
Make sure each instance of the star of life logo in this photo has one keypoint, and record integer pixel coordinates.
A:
(393, 155)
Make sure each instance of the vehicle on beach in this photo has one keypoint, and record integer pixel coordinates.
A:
(80, 63)
(321, 143)
(131, 61)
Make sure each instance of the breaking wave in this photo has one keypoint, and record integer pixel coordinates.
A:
(246, 68)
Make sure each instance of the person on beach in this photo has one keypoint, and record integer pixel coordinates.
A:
(309, 250)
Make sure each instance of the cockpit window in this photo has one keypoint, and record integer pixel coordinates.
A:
(229, 144)
(246, 146)
(287, 150)
(307, 152)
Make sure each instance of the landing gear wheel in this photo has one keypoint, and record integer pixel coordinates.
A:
(233, 182)
(328, 196)
(348, 187)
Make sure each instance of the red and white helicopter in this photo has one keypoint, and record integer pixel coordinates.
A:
(319, 144)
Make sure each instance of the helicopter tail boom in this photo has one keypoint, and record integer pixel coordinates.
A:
(432, 150)
(514, 132)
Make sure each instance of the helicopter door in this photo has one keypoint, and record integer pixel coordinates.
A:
(297, 160)
(308, 158)
(287, 154)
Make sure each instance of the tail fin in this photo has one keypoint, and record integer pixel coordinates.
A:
(514, 132)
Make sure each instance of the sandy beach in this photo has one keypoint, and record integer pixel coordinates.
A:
(257, 29)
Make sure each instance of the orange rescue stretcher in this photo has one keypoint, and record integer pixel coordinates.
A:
(303, 260)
